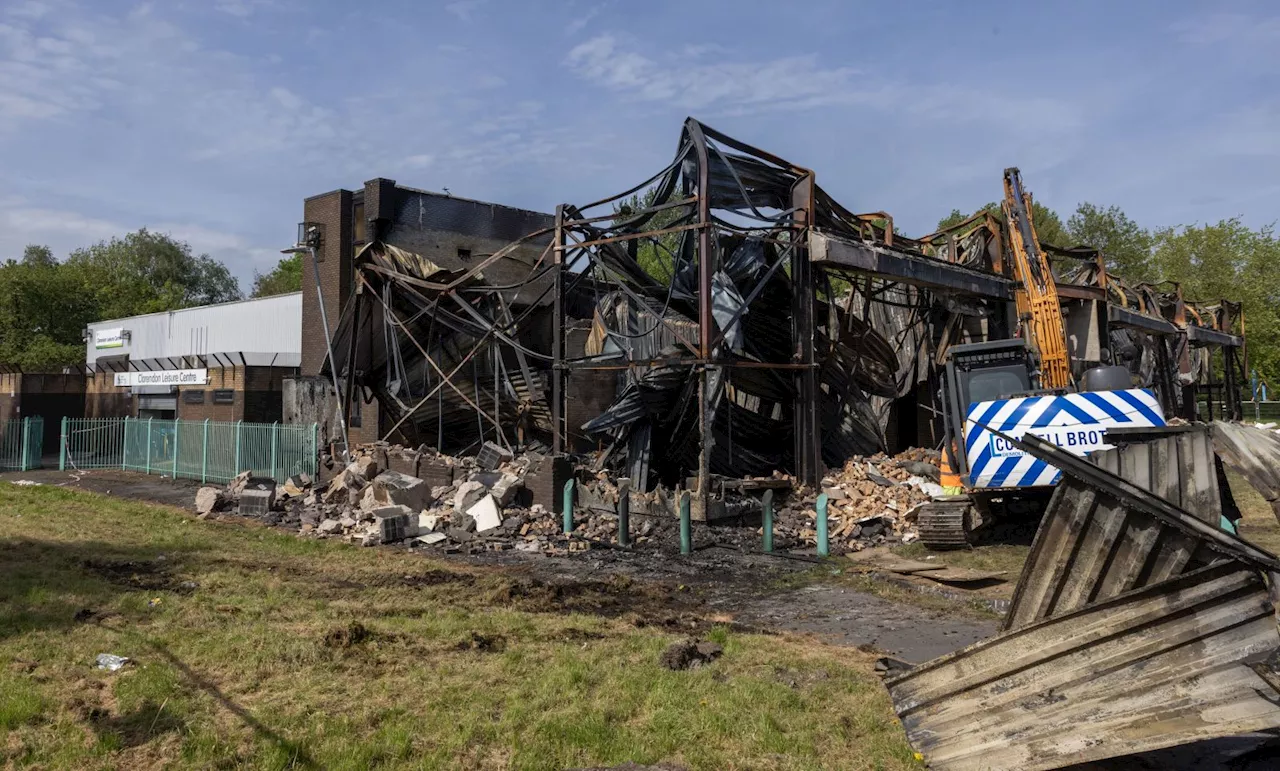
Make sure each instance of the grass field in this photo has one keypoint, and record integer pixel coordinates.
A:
(257, 649)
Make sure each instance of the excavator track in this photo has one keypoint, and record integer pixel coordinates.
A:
(944, 523)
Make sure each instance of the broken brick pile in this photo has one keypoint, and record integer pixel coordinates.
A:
(871, 501)
(485, 503)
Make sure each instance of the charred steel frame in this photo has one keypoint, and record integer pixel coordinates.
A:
(576, 234)
(694, 218)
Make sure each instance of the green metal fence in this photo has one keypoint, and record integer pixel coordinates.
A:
(21, 443)
(211, 451)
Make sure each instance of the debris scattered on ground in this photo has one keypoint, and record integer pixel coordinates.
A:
(962, 575)
(690, 654)
(111, 662)
(500, 501)
(208, 500)
(25, 483)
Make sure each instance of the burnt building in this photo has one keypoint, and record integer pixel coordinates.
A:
(452, 234)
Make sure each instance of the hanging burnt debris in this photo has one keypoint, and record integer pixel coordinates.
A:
(725, 318)
(689, 301)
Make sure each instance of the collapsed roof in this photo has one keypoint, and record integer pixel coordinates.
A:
(726, 316)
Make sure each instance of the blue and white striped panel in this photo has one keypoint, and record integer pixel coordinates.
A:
(1075, 422)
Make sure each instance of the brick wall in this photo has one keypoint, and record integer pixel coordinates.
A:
(257, 395)
(10, 395)
(333, 213)
(103, 400)
(220, 378)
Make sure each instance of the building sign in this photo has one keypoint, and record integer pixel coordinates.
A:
(169, 377)
(108, 338)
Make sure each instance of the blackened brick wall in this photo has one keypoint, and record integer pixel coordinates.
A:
(333, 213)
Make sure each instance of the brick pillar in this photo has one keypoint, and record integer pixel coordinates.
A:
(381, 206)
(333, 213)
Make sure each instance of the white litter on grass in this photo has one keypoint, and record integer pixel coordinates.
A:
(25, 483)
(111, 662)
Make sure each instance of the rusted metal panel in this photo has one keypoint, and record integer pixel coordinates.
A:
(831, 250)
(1160, 666)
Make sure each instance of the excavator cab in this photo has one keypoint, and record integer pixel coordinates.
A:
(989, 391)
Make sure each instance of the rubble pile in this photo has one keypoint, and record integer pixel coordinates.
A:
(871, 501)
(391, 494)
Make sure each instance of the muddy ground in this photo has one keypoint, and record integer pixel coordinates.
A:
(726, 583)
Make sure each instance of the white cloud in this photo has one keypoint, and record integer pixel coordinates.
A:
(704, 79)
(774, 84)
(65, 231)
(30, 9)
(20, 226)
(419, 161)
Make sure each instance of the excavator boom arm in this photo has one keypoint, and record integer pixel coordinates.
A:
(1037, 293)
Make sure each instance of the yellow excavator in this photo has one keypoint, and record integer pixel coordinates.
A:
(1019, 385)
(1036, 293)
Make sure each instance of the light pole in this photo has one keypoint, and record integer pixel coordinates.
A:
(308, 246)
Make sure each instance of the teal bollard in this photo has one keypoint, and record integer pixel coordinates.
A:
(624, 512)
(767, 504)
(824, 548)
(567, 507)
(686, 525)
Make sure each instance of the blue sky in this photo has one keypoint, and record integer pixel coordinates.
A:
(212, 120)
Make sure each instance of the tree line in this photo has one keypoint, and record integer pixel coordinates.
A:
(1224, 260)
(46, 303)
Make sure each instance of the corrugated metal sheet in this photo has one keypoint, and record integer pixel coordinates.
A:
(1255, 454)
(1090, 547)
(1155, 668)
(1136, 625)
(1174, 462)
(265, 331)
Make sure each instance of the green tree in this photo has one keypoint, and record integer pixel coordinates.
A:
(655, 255)
(285, 277)
(45, 304)
(38, 254)
(1125, 245)
(146, 272)
(43, 308)
(1229, 260)
(954, 218)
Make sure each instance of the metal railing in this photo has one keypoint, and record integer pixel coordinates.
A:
(21, 443)
(211, 451)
